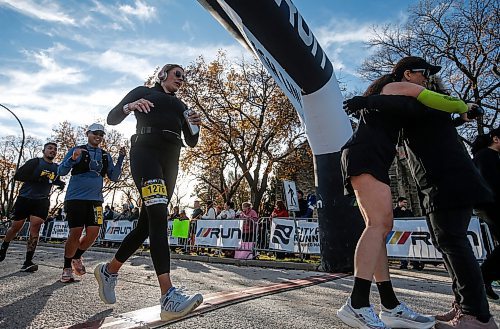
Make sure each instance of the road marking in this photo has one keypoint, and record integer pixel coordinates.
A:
(149, 317)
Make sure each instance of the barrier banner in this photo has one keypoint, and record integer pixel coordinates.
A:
(118, 230)
(59, 230)
(219, 233)
(284, 236)
(412, 239)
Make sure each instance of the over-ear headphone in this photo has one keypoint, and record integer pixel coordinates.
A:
(162, 75)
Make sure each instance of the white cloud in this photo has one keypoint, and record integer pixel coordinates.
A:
(46, 11)
(141, 10)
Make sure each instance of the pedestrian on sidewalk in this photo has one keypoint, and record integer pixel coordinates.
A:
(88, 164)
(38, 175)
(154, 161)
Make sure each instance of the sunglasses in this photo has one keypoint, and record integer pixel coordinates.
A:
(178, 74)
(98, 133)
(425, 72)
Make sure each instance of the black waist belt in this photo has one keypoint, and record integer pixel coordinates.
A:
(153, 130)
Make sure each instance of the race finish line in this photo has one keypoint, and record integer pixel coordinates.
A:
(149, 317)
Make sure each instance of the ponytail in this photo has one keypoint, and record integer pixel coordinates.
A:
(376, 86)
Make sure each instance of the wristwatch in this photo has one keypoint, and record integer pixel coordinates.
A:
(126, 110)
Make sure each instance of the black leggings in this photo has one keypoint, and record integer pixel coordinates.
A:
(148, 163)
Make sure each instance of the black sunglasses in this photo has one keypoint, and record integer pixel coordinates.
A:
(178, 74)
(425, 72)
(98, 133)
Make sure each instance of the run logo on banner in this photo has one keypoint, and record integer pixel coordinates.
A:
(219, 233)
(117, 230)
(412, 239)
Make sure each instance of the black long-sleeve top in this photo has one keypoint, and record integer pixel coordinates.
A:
(38, 177)
(166, 115)
(439, 162)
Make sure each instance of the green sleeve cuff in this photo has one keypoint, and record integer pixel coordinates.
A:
(442, 102)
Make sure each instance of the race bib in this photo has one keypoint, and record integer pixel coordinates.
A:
(154, 191)
(98, 215)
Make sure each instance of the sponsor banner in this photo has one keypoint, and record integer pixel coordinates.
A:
(172, 241)
(285, 236)
(60, 230)
(219, 233)
(118, 230)
(412, 239)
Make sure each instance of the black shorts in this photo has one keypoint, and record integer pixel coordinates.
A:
(374, 158)
(80, 213)
(25, 207)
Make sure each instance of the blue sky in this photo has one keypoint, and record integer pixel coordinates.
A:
(74, 60)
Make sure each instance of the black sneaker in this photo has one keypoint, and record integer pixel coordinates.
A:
(3, 252)
(490, 292)
(29, 267)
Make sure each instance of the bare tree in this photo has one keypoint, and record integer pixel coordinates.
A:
(460, 35)
(248, 125)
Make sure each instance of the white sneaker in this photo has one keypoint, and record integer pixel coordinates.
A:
(107, 283)
(404, 317)
(175, 304)
(362, 318)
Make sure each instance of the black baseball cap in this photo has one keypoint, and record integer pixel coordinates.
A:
(413, 63)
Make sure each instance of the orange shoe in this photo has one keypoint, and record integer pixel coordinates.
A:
(78, 267)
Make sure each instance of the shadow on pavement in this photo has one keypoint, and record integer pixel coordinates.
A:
(11, 313)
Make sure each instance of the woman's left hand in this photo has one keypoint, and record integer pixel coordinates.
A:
(194, 118)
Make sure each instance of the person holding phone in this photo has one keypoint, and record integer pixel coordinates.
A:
(154, 162)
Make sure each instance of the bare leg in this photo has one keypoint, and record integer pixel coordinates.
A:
(375, 202)
(13, 230)
(91, 233)
(72, 242)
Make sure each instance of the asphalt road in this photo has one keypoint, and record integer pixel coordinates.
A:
(39, 300)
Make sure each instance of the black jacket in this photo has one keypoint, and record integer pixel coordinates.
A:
(438, 160)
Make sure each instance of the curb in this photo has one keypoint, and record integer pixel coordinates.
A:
(208, 259)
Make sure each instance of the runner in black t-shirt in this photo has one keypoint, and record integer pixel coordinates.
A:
(38, 175)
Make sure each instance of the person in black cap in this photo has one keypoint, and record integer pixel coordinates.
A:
(154, 160)
(366, 159)
(88, 164)
(38, 175)
(447, 180)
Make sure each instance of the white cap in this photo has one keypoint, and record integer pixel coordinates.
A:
(96, 127)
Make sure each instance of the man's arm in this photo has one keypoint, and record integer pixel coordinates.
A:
(26, 171)
(114, 171)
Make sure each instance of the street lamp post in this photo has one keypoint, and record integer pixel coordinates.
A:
(11, 195)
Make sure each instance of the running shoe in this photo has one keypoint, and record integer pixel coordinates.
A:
(29, 267)
(448, 316)
(176, 304)
(363, 318)
(404, 317)
(67, 275)
(78, 267)
(107, 283)
(465, 321)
